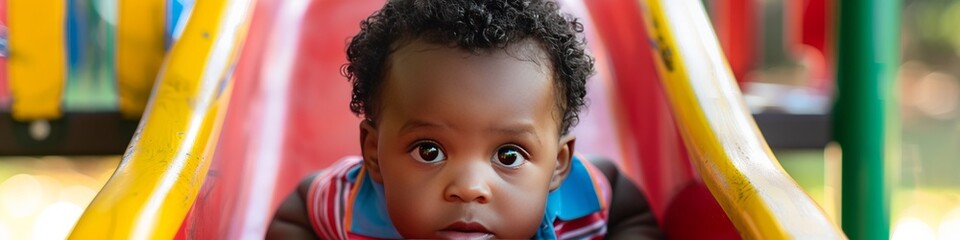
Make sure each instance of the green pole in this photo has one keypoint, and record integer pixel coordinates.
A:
(867, 60)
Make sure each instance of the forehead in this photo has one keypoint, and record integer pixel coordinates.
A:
(514, 83)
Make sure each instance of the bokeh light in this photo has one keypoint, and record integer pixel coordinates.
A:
(5, 232)
(43, 197)
(950, 225)
(912, 229)
(936, 95)
(56, 220)
(20, 195)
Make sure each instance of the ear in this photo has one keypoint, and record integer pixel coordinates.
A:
(564, 158)
(369, 140)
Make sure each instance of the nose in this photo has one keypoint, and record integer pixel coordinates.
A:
(469, 183)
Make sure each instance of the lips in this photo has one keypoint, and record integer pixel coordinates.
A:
(465, 230)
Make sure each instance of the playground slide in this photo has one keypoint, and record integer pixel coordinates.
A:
(288, 117)
(724, 143)
(166, 162)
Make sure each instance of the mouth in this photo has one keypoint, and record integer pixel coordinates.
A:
(465, 230)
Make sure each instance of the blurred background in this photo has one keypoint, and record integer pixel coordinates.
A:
(781, 52)
(924, 184)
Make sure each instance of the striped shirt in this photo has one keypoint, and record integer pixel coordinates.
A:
(575, 210)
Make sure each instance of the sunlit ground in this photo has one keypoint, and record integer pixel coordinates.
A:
(42, 197)
(916, 212)
(926, 214)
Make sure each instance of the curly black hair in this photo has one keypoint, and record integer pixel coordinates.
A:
(472, 25)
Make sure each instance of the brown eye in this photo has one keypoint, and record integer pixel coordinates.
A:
(510, 157)
(427, 152)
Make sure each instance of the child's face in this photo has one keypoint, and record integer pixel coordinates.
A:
(467, 143)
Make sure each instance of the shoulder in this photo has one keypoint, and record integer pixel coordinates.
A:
(330, 177)
(314, 209)
(291, 220)
(326, 194)
(298, 216)
(584, 214)
(629, 212)
(599, 171)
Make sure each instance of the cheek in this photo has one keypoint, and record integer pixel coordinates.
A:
(411, 200)
(520, 212)
(412, 214)
(521, 201)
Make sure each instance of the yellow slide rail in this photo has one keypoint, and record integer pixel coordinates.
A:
(163, 168)
(140, 50)
(762, 201)
(38, 64)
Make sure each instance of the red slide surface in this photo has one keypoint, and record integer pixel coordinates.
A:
(289, 115)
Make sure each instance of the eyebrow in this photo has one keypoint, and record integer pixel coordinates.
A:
(510, 130)
(414, 124)
(517, 130)
(520, 129)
